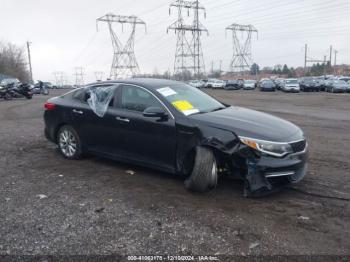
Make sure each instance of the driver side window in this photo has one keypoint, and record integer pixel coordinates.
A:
(137, 99)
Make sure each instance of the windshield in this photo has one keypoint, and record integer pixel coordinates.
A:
(293, 81)
(267, 82)
(249, 81)
(189, 100)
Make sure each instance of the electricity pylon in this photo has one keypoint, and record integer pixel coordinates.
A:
(79, 76)
(242, 45)
(59, 78)
(124, 61)
(188, 54)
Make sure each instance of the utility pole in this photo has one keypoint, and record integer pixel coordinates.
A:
(30, 62)
(242, 57)
(330, 56)
(124, 60)
(79, 76)
(212, 67)
(188, 54)
(305, 59)
(311, 60)
(335, 61)
(220, 67)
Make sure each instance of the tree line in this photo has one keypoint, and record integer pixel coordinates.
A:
(13, 62)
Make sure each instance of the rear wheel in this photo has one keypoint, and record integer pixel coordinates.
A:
(204, 174)
(69, 143)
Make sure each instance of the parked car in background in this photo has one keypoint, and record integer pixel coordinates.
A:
(10, 81)
(279, 82)
(196, 83)
(267, 85)
(232, 85)
(347, 80)
(320, 83)
(308, 84)
(290, 85)
(215, 84)
(328, 82)
(337, 86)
(249, 84)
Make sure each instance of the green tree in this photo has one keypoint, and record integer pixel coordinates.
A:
(285, 69)
(254, 69)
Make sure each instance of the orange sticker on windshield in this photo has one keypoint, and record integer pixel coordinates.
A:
(182, 105)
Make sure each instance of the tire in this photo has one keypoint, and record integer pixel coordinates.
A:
(8, 96)
(204, 173)
(69, 143)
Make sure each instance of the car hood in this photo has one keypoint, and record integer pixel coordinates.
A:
(250, 123)
(343, 86)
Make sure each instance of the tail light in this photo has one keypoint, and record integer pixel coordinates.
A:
(49, 106)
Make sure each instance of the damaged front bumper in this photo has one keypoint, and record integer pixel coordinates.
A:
(265, 174)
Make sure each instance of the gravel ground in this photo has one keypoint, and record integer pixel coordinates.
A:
(52, 206)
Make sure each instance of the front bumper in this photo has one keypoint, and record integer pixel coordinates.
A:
(266, 174)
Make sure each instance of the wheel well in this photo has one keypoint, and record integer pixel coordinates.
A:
(189, 159)
(58, 127)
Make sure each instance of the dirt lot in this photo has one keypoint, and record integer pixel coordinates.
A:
(50, 205)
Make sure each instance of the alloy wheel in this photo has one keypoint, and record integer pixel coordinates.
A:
(67, 143)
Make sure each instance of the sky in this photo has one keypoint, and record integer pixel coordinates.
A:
(63, 33)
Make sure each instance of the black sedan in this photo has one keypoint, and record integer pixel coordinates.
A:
(177, 128)
(267, 85)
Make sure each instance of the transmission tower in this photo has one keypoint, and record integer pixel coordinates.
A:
(124, 61)
(188, 54)
(59, 78)
(242, 45)
(79, 76)
(99, 75)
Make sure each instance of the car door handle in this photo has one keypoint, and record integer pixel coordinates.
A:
(78, 112)
(123, 119)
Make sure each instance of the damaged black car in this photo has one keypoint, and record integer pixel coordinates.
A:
(176, 128)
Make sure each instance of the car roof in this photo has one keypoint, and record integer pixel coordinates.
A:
(151, 83)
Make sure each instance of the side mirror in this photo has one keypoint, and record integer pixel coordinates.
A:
(155, 112)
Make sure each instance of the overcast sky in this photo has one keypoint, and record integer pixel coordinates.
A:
(63, 32)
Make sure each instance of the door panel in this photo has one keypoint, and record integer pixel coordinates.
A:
(148, 139)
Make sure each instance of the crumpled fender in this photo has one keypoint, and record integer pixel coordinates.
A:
(190, 136)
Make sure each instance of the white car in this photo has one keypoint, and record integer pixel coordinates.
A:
(249, 84)
(290, 85)
(196, 83)
(215, 83)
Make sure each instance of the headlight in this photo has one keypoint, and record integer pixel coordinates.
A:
(268, 147)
